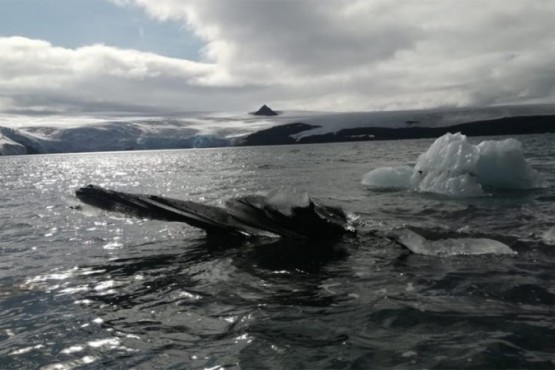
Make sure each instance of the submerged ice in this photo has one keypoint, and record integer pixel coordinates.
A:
(454, 167)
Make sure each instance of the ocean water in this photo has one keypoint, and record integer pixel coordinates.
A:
(81, 288)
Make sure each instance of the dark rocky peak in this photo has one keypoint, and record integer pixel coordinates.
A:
(265, 111)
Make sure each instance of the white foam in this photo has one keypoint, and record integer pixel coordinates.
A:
(451, 246)
(285, 200)
(454, 167)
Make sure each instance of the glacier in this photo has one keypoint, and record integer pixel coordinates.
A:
(117, 132)
(10, 147)
(107, 136)
(454, 167)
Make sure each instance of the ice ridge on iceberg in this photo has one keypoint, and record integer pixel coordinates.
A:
(454, 167)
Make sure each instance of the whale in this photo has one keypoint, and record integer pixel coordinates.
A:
(285, 214)
(280, 213)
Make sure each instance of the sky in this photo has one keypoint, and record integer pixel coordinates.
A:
(167, 56)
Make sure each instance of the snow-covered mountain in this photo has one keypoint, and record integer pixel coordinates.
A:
(10, 147)
(57, 134)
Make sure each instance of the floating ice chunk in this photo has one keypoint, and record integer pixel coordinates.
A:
(388, 178)
(448, 167)
(285, 200)
(549, 236)
(450, 153)
(454, 167)
(416, 243)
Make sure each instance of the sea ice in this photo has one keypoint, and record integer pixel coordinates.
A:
(454, 167)
(416, 243)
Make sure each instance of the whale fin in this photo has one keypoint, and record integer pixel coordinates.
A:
(209, 218)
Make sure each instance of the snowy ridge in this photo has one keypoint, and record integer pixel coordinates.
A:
(334, 122)
(108, 136)
(64, 134)
(14, 141)
(10, 147)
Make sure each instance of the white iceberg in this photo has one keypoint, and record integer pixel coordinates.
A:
(454, 167)
(501, 164)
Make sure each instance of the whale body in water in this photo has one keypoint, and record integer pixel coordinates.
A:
(280, 213)
(286, 214)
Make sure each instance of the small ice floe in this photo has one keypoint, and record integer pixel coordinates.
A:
(549, 236)
(454, 167)
(418, 244)
(389, 178)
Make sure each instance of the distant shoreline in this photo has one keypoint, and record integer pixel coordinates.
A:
(119, 137)
(281, 135)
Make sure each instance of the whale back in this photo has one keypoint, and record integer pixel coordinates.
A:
(249, 215)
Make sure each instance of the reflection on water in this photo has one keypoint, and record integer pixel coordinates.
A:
(192, 299)
(86, 289)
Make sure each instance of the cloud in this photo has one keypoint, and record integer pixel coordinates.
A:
(381, 53)
(255, 39)
(326, 55)
(37, 75)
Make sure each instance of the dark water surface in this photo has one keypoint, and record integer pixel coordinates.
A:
(86, 289)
